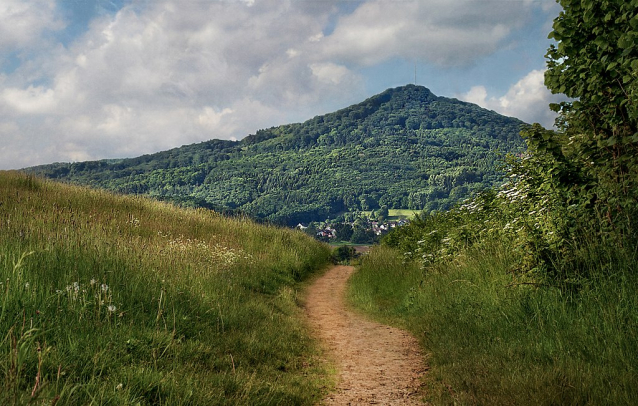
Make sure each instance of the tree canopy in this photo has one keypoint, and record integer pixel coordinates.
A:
(595, 62)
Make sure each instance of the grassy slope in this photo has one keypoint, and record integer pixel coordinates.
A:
(494, 342)
(115, 300)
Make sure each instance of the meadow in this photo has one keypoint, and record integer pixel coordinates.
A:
(114, 300)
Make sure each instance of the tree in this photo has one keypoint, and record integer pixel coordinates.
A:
(350, 216)
(595, 62)
(383, 213)
(344, 253)
(362, 236)
(344, 231)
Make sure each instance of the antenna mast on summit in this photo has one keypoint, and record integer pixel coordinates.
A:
(414, 73)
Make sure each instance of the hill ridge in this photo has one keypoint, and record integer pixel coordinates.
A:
(402, 148)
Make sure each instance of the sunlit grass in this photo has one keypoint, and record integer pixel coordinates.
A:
(494, 340)
(119, 300)
(396, 214)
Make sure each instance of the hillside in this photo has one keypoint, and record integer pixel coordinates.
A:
(404, 148)
(119, 300)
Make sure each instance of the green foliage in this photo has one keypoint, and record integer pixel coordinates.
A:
(596, 63)
(361, 235)
(403, 149)
(344, 231)
(344, 253)
(124, 301)
(546, 208)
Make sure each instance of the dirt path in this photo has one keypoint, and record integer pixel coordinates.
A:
(376, 364)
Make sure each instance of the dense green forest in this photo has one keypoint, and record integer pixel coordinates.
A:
(404, 148)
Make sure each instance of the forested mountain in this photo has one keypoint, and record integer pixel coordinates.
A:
(404, 148)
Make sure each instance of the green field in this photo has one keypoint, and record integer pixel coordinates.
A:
(402, 213)
(115, 300)
(396, 214)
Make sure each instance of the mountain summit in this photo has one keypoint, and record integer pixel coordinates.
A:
(403, 148)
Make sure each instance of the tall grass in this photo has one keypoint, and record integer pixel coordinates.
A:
(115, 300)
(495, 339)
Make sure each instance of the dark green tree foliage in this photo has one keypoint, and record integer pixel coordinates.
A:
(361, 235)
(404, 149)
(344, 253)
(595, 62)
(344, 231)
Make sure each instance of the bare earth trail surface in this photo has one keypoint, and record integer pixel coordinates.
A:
(377, 364)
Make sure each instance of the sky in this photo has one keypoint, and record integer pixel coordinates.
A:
(94, 79)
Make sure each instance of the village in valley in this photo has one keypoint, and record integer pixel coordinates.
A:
(357, 227)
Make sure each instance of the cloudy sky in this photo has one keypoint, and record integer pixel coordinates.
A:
(92, 79)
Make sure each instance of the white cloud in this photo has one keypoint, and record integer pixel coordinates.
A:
(210, 119)
(36, 100)
(23, 21)
(437, 31)
(528, 99)
(58, 99)
(329, 72)
(476, 95)
(160, 74)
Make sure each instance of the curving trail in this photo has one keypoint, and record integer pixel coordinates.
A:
(377, 364)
